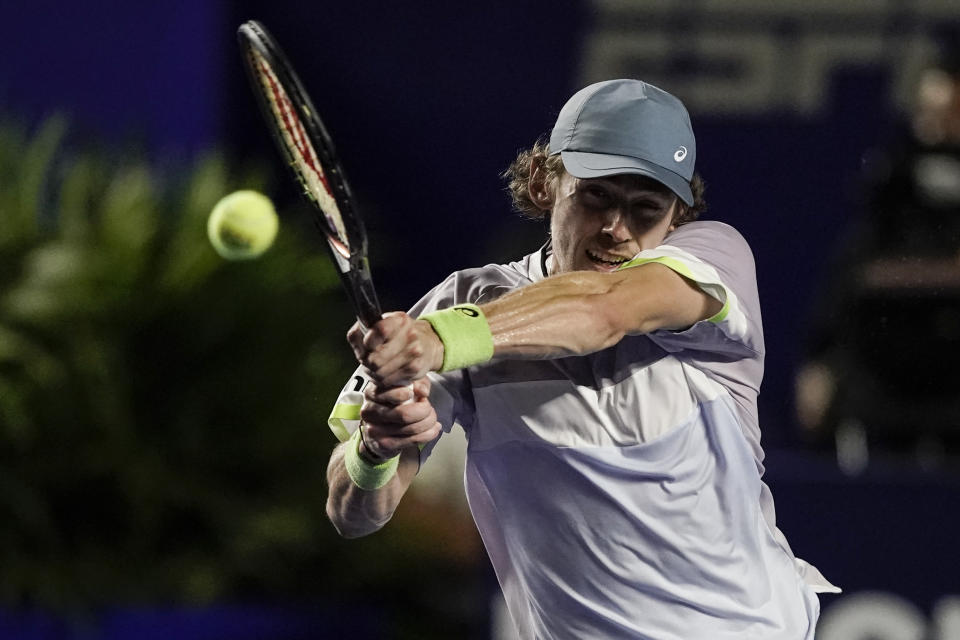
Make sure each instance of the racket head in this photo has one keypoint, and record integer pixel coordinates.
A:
(309, 151)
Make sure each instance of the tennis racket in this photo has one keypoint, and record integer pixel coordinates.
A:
(308, 149)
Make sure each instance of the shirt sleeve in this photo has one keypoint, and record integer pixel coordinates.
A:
(717, 259)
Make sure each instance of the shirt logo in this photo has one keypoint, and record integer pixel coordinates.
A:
(680, 154)
(467, 311)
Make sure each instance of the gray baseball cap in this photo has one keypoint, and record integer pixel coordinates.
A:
(627, 126)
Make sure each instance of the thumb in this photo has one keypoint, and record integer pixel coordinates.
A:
(421, 388)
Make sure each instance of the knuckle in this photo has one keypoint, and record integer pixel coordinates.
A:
(371, 414)
(423, 386)
(428, 433)
(402, 395)
(372, 339)
(375, 363)
(407, 415)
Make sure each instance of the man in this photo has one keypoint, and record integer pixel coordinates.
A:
(607, 385)
(898, 377)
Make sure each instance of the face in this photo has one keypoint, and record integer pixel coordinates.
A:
(937, 117)
(598, 223)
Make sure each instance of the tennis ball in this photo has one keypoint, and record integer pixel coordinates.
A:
(242, 225)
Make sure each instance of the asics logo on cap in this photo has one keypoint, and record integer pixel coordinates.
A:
(680, 154)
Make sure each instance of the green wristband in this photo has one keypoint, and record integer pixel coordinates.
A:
(365, 475)
(465, 335)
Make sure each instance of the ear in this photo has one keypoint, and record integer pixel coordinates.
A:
(679, 208)
(539, 187)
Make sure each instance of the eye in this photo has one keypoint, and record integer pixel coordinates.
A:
(596, 196)
(647, 212)
(645, 208)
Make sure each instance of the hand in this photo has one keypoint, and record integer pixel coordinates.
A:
(398, 349)
(390, 421)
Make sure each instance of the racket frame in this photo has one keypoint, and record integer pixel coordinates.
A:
(349, 254)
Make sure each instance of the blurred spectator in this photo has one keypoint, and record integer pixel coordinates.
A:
(880, 371)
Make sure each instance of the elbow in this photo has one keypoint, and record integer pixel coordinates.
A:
(608, 322)
(622, 312)
(343, 528)
(597, 321)
(351, 528)
(349, 531)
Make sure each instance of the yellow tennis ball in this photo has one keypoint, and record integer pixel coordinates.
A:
(242, 225)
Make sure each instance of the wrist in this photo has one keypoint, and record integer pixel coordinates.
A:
(365, 474)
(465, 335)
(366, 452)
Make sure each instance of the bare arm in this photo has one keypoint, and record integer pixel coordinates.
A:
(394, 426)
(355, 512)
(570, 314)
(582, 312)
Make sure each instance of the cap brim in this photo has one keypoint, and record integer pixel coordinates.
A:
(599, 165)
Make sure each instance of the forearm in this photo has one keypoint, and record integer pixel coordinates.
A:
(562, 316)
(582, 312)
(356, 512)
(570, 314)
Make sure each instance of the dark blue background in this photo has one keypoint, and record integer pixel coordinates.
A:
(428, 103)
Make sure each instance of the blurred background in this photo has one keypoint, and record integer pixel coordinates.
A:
(162, 412)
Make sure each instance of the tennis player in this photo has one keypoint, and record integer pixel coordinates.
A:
(607, 384)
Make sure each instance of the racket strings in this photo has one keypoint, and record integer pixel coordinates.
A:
(303, 155)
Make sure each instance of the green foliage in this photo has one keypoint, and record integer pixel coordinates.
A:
(162, 411)
(163, 432)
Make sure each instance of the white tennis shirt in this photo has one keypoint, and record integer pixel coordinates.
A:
(619, 494)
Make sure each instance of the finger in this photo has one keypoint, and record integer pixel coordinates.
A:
(395, 416)
(421, 388)
(395, 345)
(371, 339)
(417, 411)
(374, 445)
(388, 329)
(394, 428)
(388, 437)
(411, 358)
(355, 340)
(404, 367)
(404, 374)
(387, 395)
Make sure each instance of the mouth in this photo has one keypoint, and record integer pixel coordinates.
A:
(609, 262)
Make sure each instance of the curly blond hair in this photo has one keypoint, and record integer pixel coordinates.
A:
(518, 175)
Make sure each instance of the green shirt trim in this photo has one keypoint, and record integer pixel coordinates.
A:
(683, 270)
(340, 413)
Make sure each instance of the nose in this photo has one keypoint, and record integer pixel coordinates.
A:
(615, 226)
